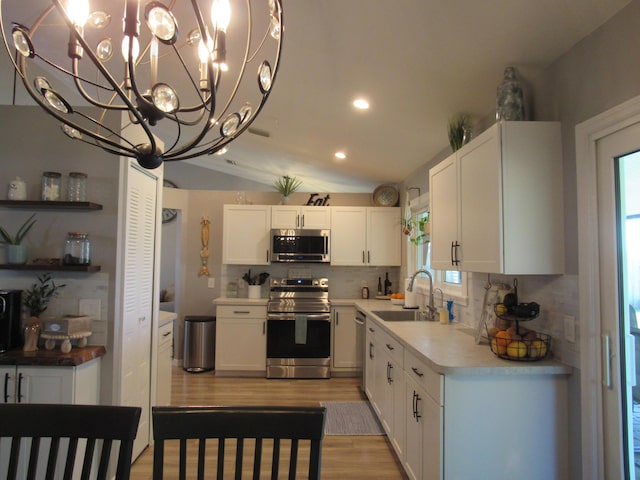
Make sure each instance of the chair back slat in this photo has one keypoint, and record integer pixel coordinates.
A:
(54, 432)
(241, 424)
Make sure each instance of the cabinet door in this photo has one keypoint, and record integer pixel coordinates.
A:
(246, 234)
(46, 385)
(285, 216)
(165, 348)
(480, 200)
(9, 383)
(241, 344)
(348, 235)
(369, 367)
(384, 236)
(315, 217)
(423, 430)
(347, 343)
(443, 215)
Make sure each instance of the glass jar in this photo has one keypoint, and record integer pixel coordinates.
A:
(77, 187)
(77, 249)
(51, 186)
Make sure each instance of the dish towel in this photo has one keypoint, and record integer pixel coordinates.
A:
(301, 329)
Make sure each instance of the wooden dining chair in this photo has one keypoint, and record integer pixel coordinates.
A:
(291, 434)
(62, 441)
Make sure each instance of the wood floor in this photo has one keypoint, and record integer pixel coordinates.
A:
(343, 457)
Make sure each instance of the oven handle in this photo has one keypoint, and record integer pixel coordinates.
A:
(322, 317)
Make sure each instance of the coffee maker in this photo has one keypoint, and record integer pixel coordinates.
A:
(10, 313)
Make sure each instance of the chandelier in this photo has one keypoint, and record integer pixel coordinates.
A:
(171, 94)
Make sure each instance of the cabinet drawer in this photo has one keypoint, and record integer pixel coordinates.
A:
(165, 335)
(391, 346)
(431, 381)
(241, 311)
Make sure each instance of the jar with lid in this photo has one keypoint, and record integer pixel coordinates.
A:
(51, 186)
(77, 249)
(77, 187)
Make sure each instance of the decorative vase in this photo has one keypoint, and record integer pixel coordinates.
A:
(510, 99)
(284, 199)
(16, 254)
(31, 334)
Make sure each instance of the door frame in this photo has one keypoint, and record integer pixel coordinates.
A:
(587, 135)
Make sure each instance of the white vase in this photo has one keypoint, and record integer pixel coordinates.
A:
(16, 254)
(284, 200)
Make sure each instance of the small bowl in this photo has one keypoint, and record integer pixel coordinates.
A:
(397, 301)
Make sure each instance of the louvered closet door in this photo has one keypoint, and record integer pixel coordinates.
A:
(138, 298)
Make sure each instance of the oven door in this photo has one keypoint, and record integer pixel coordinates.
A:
(281, 338)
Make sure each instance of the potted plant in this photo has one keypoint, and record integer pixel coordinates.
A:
(416, 229)
(286, 185)
(36, 300)
(16, 251)
(459, 131)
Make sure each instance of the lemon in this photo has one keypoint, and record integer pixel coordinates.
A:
(517, 349)
(537, 349)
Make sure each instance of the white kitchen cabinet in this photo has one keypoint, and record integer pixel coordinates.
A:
(496, 204)
(165, 355)
(246, 238)
(424, 417)
(347, 340)
(307, 217)
(241, 341)
(369, 236)
(386, 390)
(33, 384)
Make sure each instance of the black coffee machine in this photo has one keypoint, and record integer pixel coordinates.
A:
(10, 313)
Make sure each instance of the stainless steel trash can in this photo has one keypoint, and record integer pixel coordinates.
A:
(199, 343)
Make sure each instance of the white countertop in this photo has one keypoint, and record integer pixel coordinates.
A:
(240, 301)
(452, 349)
(166, 317)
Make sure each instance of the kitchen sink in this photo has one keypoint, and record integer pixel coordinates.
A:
(398, 315)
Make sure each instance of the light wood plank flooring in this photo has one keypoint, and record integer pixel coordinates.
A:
(343, 457)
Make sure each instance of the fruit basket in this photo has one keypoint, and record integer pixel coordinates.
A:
(530, 347)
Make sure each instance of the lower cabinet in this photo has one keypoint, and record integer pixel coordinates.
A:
(346, 355)
(32, 384)
(467, 425)
(241, 339)
(38, 384)
(385, 383)
(165, 355)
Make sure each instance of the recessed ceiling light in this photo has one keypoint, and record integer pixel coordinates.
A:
(340, 155)
(361, 103)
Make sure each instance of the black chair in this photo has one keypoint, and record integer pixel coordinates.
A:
(280, 429)
(56, 437)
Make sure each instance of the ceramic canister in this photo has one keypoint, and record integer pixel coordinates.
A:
(17, 189)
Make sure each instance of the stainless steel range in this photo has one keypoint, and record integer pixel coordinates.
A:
(299, 328)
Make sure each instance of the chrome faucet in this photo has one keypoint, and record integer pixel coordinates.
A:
(431, 309)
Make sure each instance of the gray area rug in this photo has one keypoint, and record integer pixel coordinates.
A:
(351, 418)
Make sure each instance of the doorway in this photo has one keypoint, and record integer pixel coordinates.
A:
(608, 217)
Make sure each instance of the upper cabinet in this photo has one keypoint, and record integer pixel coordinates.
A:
(365, 236)
(308, 217)
(496, 204)
(246, 234)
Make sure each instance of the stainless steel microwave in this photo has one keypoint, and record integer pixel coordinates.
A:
(300, 246)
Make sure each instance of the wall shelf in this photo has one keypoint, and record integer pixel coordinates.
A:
(50, 205)
(52, 268)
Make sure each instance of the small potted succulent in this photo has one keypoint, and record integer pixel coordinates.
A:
(286, 185)
(36, 300)
(16, 251)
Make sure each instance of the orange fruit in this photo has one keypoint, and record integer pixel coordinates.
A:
(497, 348)
(503, 338)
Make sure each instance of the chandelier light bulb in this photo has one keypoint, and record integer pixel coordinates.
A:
(221, 14)
(125, 48)
(78, 11)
